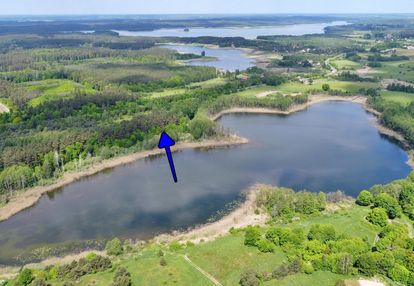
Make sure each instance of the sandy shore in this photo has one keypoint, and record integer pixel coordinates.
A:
(3, 108)
(26, 199)
(313, 99)
(243, 216)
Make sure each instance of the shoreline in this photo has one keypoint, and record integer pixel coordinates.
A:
(242, 216)
(28, 198)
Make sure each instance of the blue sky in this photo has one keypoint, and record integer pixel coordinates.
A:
(25, 7)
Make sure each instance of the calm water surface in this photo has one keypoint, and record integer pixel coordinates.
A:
(226, 59)
(245, 32)
(327, 147)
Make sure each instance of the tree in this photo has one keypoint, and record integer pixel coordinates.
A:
(272, 235)
(114, 247)
(251, 236)
(364, 198)
(203, 53)
(399, 274)
(201, 126)
(25, 277)
(378, 216)
(326, 87)
(388, 203)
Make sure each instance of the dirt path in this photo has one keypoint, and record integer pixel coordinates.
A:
(3, 108)
(206, 274)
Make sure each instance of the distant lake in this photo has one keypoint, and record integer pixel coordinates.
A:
(245, 32)
(327, 147)
(227, 59)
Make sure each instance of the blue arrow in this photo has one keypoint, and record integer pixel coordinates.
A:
(165, 143)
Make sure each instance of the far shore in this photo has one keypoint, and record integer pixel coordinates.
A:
(26, 199)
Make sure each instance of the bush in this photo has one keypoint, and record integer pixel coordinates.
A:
(272, 235)
(326, 87)
(249, 278)
(265, 246)
(378, 216)
(163, 262)
(175, 246)
(388, 203)
(122, 277)
(308, 268)
(322, 232)
(25, 277)
(114, 247)
(364, 198)
(251, 236)
(201, 126)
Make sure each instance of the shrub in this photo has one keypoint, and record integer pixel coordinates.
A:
(378, 216)
(122, 277)
(175, 246)
(251, 236)
(201, 126)
(364, 198)
(322, 232)
(249, 278)
(114, 247)
(163, 262)
(25, 277)
(272, 235)
(265, 245)
(326, 87)
(308, 268)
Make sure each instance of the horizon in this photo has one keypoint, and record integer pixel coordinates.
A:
(187, 7)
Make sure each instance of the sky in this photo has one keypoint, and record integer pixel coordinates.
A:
(48, 7)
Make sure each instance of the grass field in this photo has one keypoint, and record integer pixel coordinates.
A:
(52, 89)
(403, 70)
(350, 221)
(209, 83)
(344, 86)
(342, 64)
(227, 257)
(396, 96)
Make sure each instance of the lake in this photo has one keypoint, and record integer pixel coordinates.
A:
(226, 59)
(329, 146)
(245, 32)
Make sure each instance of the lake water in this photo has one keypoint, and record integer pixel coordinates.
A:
(226, 59)
(330, 146)
(245, 32)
